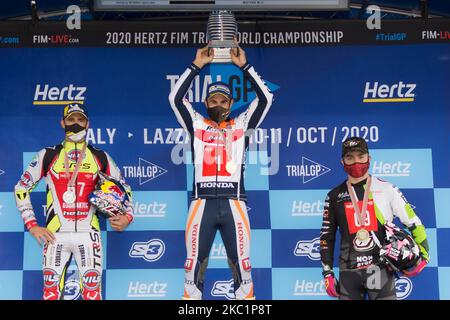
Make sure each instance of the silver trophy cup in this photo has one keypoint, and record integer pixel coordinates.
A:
(221, 32)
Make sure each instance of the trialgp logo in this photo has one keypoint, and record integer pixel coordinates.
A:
(397, 92)
(145, 171)
(308, 170)
(45, 94)
(241, 88)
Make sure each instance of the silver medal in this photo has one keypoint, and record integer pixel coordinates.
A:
(69, 196)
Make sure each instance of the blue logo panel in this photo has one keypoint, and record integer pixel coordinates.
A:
(441, 198)
(144, 284)
(299, 209)
(444, 280)
(425, 286)
(134, 123)
(442, 247)
(406, 168)
(298, 284)
(33, 285)
(11, 285)
(10, 219)
(258, 209)
(11, 251)
(432, 243)
(299, 248)
(151, 171)
(33, 253)
(136, 250)
(422, 202)
(303, 165)
(256, 171)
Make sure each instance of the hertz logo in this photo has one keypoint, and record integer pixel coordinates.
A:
(46, 95)
(398, 92)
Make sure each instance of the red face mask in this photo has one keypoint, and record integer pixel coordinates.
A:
(357, 170)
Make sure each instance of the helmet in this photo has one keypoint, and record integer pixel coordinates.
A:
(399, 250)
(112, 197)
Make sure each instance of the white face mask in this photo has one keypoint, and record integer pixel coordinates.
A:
(77, 137)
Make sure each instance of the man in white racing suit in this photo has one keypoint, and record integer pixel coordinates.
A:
(71, 171)
(219, 200)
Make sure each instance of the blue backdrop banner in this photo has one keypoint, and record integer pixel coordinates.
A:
(330, 82)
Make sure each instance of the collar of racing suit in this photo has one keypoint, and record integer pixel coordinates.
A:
(223, 125)
(70, 145)
(361, 183)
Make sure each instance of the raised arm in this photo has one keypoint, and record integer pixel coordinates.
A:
(184, 111)
(257, 111)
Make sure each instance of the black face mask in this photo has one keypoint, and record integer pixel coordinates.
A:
(75, 133)
(218, 114)
(75, 128)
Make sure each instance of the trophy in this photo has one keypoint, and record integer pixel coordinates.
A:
(221, 33)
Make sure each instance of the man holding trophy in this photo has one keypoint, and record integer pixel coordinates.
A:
(219, 146)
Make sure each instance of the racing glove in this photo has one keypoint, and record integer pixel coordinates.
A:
(331, 285)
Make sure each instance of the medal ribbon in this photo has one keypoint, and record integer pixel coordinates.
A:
(227, 140)
(361, 214)
(71, 183)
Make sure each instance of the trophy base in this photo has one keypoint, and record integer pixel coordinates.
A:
(222, 55)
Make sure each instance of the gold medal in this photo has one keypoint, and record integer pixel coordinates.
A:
(362, 235)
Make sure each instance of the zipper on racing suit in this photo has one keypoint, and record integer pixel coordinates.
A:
(217, 158)
(76, 192)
